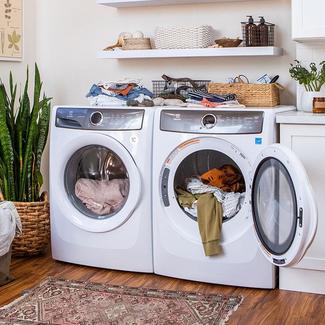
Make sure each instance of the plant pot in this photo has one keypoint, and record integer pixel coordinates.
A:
(5, 262)
(307, 97)
(35, 220)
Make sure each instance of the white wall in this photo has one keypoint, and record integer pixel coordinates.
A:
(29, 58)
(64, 36)
(19, 68)
(71, 32)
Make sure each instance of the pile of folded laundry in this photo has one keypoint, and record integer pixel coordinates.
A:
(212, 198)
(125, 92)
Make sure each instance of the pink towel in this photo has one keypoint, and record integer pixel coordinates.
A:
(102, 197)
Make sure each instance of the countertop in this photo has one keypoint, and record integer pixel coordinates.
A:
(300, 117)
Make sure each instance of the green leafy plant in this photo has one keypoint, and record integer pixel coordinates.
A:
(312, 79)
(23, 135)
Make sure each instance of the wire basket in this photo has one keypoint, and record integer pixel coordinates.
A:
(270, 35)
(162, 87)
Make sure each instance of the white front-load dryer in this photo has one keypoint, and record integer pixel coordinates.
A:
(277, 216)
(100, 189)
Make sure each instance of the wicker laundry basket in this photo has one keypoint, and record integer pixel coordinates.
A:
(251, 95)
(177, 37)
(35, 219)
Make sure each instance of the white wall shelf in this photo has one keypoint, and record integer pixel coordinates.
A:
(191, 53)
(142, 3)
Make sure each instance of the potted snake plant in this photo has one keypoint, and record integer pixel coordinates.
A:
(24, 125)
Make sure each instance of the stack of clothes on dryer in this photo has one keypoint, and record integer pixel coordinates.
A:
(125, 92)
(212, 198)
(102, 197)
(186, 92)
(204, 98)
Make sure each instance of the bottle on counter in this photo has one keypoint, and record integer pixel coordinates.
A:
(319, 105)
(263, 33)
(251, 32)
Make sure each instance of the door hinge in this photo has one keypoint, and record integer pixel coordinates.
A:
(300, 216)
(279, 262)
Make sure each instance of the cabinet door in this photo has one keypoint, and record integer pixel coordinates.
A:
(308, 143)
(308, 21)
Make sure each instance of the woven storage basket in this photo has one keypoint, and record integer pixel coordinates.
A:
(35, 219)
(176, 37)
(136, 44)
(252, 95)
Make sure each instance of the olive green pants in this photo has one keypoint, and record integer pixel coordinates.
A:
(209, 217)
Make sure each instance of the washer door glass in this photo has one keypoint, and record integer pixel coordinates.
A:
(274, 206)
(97, 181)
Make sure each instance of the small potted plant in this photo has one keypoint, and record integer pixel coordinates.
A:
(312, 79)
(23, 135)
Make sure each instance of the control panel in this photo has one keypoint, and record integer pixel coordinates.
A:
(212, 121)
(99, 118)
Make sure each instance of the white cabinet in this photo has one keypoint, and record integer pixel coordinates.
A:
(308, 21)
(304, 134)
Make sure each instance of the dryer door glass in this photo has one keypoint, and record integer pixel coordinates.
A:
(97, 181)
(283, 207)
(274, 206)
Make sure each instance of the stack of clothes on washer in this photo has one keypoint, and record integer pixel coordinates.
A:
(125, 92)
(212, 198)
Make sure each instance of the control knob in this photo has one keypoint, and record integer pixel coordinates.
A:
(96, 118)
(209, 121)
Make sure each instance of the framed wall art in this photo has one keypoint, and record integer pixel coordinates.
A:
(11, 30)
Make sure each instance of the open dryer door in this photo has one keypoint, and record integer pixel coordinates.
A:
(283, 206)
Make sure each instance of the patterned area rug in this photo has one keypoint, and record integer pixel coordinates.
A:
(57, 301)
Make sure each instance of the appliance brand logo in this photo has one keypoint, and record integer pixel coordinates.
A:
(258, 141)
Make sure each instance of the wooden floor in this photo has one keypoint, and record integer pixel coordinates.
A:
(274, 307)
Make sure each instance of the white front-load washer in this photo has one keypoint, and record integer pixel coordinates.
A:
(277, 219)
(100, 189)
